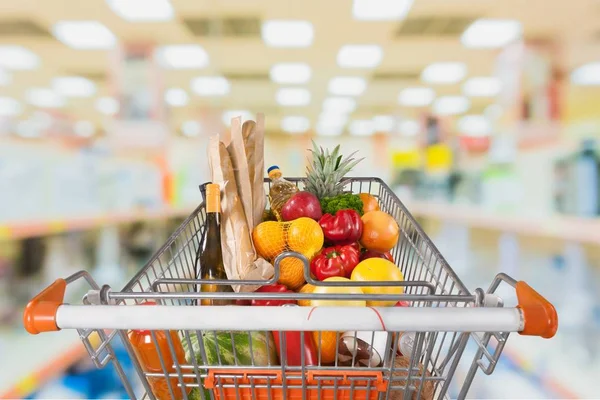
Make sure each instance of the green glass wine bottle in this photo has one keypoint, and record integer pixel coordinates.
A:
(211, 255)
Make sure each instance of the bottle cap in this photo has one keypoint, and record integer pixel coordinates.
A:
(213, 189)
(274, 172)
(213, 197)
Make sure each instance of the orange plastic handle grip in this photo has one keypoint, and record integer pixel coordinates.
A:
(40, 313)
(539, 314)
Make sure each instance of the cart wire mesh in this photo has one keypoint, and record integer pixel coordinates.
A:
(249, 365)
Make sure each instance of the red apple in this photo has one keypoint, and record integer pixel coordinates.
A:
(302, 204)
(376, 254)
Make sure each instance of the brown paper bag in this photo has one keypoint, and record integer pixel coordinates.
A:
(239, 257)
(237, 152)
(257, 178)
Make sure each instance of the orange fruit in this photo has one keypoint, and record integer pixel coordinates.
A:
(370, 203)
(308, 288)
(305, 236)
(269, 239)
(327, 346)
(378, 269)
(337, 289)
(380, 231)
(291, 272)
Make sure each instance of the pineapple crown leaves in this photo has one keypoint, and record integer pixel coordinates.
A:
(325, 174)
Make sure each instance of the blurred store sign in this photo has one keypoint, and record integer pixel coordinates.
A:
(138, 83)
(438, 157)
(407, 159)
(530, 93)
(537, 134)
(474, 144)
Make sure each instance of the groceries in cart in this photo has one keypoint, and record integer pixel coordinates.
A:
(320, 287)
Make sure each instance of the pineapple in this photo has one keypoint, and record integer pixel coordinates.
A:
(326, 172)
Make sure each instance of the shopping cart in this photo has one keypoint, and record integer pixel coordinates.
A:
(431, 334)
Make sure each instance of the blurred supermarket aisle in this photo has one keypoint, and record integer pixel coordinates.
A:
(482, 116)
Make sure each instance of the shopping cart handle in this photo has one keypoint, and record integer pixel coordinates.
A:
(540, 317)
(40, 313)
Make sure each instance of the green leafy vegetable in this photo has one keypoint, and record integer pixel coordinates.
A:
(331, 205)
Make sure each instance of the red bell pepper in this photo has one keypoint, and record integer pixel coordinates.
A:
(345, 227)
(335, 261)
(275, 288)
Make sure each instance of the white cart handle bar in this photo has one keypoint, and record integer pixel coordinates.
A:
(533, 316)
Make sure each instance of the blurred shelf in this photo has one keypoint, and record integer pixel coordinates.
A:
(35, 360)
(26, 229)
(549, 383)
(577, 229)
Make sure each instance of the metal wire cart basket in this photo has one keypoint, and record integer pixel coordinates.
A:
(383, 352)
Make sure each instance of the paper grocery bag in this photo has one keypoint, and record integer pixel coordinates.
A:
(239, 257)
(237, 151)
(258, 170)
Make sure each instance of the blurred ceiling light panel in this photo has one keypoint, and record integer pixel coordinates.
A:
(84, 35)
(73, 86)
(182, 56)
(5, 78)
(210, 86)
(84, 129)
(339, 104)
(229, 115)
(384, 123)
(191, 128)
(9, 107)
(482, 86)
(292, 97)
(359, 56)
(381, 10)
(451, 105)
(409, 127)
(107, 105)
(347, 86)
(474, 125)
(416, 96)
(587, 74)
(324, 129)
(491, 33)
(295, 124)
(142, 10)
(18, 58)
(361, 127)
(444, 73)
(287, 33)
(44, 98)
(331, 119)
(290, 73)
(176, 97)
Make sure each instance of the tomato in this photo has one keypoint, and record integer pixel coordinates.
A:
(378, 269)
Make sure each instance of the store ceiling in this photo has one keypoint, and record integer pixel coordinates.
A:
(430, 33)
